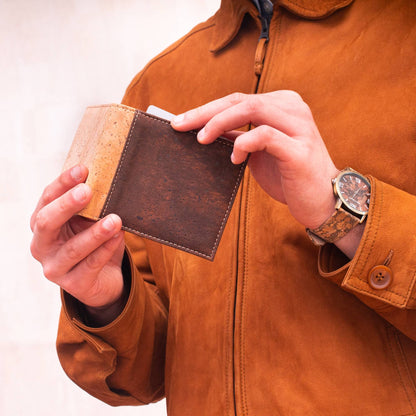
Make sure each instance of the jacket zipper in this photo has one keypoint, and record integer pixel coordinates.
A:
(265, 8)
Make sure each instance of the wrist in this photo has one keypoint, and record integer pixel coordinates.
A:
(350, 242)
(326, 210)
(352, 194)
(325, 202)
(97, 316)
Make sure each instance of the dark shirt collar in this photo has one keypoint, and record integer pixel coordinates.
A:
(229, 17)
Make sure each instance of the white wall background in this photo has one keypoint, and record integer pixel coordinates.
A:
(57, 57)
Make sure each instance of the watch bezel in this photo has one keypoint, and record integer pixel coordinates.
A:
(338, 192)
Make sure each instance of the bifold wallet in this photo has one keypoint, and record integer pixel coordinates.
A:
(163, 184)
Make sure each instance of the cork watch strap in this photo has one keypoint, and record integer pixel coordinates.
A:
(339, 224)
(163, 184)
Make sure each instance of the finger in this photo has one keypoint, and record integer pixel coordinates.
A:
(198, 117)
(84, 281)
(51, 218)
(232, 135)
(67, 180)
(266, 138)
(253, 110)
(81, 246)
(284, 110)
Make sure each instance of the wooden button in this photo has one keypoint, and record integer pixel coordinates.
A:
(380, 277)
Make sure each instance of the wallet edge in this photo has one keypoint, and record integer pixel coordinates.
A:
(103, 131)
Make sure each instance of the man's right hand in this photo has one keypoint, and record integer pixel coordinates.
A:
(81, 256)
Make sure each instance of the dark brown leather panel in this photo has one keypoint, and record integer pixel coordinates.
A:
(171, 189)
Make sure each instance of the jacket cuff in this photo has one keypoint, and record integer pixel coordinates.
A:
(117, 333)
(383, 269)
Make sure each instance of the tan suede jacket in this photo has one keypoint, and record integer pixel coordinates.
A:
(272, 327)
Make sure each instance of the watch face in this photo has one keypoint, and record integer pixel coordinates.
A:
(354, 191)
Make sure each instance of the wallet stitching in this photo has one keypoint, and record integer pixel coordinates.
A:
(171, 243)
(227, 212)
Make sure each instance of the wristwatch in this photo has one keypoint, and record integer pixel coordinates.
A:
(353, 199)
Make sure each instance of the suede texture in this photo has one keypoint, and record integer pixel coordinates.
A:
(272, 327)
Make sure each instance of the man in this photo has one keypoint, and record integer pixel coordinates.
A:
(272, 326)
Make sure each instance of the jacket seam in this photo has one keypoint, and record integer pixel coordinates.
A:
(404, 297)
(88, 338)
(167, 52)
(396, 364)
(244, 303)
(228, 330)
(378, 296)
(311, 9)
(303, 7)
(405, 363)
(400, 295)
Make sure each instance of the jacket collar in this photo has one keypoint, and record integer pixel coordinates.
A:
(229, 17)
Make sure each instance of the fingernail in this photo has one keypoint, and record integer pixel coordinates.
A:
(80, 193)
(201, 135)
(232, 158)
(76, 173)
(108, 223)
(178, 119)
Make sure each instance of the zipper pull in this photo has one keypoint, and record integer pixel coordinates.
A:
(265, 7)
(259, 56)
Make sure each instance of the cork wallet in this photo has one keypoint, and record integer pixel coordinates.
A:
(163, 184)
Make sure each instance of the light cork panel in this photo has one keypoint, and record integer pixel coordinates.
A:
(98, 144)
